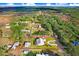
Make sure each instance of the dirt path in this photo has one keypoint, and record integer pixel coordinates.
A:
(5, 19)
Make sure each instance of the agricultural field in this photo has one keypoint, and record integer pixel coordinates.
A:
(39, 31)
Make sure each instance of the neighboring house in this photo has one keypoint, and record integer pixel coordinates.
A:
(26, 51)
(40, 41)
(15, 45)
(25, 22)
(42, 54)
(26, 31)
(27, 44)
(23, 30)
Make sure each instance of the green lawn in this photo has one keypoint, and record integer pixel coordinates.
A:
(45, 46)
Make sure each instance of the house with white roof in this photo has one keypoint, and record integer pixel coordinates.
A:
(27, 44)
(40, 41)
(25, 52)
(15, 45)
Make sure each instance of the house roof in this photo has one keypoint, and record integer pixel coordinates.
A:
(27, 44)
(15, 45)
(40, 41)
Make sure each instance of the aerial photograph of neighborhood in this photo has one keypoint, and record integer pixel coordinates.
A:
(36, 31)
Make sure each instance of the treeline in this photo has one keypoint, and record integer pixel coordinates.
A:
(66, 32)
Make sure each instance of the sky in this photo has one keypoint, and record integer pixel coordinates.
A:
(31, 2)
(39, 1)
